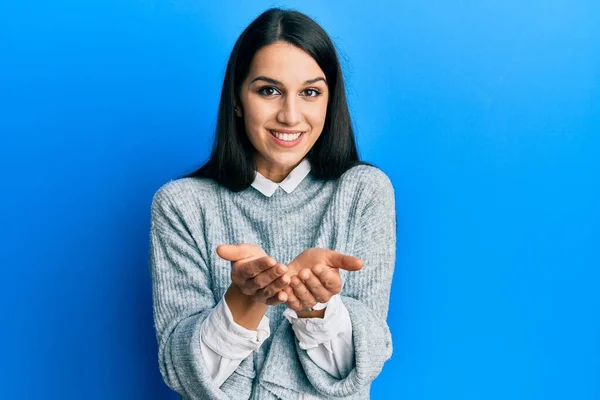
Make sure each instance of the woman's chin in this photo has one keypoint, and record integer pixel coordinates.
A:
(285, 158)
(288, 162)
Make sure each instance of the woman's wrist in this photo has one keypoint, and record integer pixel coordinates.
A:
(246, 312)
(311, 314)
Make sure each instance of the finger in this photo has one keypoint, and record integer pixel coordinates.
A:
(314, 286)
(344, 261)
(249, 269)
(271, 289)
(292, 301)
(264, 278)
(302, 292)
(329, 278)
(280, 297)
(236, 252)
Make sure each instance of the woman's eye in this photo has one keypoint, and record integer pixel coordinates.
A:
(267, 91)
(312, 93)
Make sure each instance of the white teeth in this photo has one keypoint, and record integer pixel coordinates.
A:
(287, 137)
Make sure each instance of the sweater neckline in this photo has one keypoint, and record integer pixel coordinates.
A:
(281, 201)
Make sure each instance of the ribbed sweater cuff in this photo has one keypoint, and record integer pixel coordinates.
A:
(372, 346)
(185, 361)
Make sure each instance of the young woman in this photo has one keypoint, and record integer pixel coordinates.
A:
(272, 264)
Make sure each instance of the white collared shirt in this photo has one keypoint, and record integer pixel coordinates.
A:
(327, 340)
(291, 182)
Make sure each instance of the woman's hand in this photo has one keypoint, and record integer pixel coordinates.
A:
(257, 275)
(315, 255)
(315, 278)
(312, 286)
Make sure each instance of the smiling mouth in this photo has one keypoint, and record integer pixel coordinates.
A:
(286, 137)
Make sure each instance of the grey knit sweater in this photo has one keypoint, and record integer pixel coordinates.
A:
(354, 214)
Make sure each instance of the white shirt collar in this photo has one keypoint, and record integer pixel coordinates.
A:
(268, 187)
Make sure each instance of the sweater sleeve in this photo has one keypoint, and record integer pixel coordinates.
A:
(182, 300)
(366, 296)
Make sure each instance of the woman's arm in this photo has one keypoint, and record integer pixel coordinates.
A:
(366, 295)
(183, 300)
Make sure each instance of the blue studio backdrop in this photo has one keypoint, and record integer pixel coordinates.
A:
(485, 115)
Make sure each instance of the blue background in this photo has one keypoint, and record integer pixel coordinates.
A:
(485, 115)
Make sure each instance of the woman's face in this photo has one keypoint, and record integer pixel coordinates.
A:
(283, 103)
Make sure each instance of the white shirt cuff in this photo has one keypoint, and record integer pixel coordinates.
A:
(311, 332)
(229, 339)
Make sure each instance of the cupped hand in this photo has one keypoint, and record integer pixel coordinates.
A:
(257, 275)
(312, 286)
(316, 255)
(315, 278)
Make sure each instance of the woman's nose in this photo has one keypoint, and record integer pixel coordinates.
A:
(289, 113)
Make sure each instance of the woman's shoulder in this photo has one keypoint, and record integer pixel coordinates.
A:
(367, 177)
(183, 192)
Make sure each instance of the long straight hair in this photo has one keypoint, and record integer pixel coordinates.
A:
(231, 162)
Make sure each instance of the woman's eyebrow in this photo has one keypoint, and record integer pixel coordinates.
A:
(276, 82)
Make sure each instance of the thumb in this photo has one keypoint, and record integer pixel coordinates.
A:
(235, 252)
(229, 252)
(344, 261)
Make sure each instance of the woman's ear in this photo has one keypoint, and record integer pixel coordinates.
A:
(238, 111)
